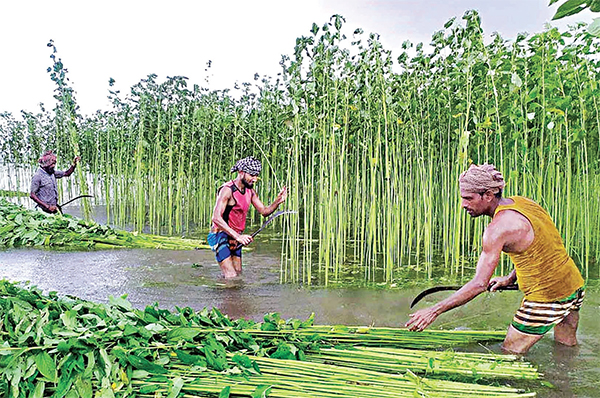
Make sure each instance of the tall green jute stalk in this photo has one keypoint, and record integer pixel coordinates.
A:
(374, 152)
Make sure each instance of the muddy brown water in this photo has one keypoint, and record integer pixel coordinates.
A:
(192, 278)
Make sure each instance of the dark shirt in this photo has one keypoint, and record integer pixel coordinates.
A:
(43, 185)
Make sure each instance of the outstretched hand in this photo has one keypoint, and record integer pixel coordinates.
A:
(76, 160)
(421, 319)
(282, 196)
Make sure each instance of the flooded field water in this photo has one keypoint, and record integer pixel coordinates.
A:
(192, 278)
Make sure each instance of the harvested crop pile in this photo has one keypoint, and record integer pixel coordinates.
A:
(67, 347)
(23, 227)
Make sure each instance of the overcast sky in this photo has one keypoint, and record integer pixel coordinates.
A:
(129, 39)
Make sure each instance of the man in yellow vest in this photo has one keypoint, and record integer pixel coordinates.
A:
(545, 273)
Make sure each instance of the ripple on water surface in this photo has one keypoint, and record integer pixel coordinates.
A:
(192, 278)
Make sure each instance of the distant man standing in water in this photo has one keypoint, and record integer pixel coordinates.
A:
(229, 216)
(550, 280)
(43, 190)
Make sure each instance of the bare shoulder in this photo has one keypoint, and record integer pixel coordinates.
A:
(511, 220)
(511, 228)
(225, 192)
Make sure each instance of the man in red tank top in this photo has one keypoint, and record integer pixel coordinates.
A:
(229, 216)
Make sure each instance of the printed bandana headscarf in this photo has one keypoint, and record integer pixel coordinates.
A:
(47, 158)
(249, 165)
(481, 178)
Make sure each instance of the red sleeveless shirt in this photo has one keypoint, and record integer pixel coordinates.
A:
(235, 215)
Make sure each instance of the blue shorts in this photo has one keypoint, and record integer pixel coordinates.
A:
(219, 243)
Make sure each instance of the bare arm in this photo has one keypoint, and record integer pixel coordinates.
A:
(217, 218)
(497, 282)
(71, 169)
(494, 239)
(42, 204)
(266, 211)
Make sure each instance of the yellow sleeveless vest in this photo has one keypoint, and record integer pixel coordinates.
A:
(545, 272)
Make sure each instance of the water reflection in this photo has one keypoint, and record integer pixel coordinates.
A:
(192, 278)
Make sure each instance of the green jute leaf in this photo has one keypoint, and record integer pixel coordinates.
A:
(225, 392)
(309, 322)
(91, 364)
(105, 393)
(261, 391)
(594, 28)
(144, 364)
(84, 387)
(190, 359)
(569, 8)
(38, 392)
(120, 302)
(69, 319)
(242, 360)
(285, 351)
(15, 381)
(182, 334)
(64, 346)
(155, 327)
(106, 360)
(72, 393)
(451, 21)
(175, 388)
(64, 384)
(546, 383)
(129, 330)
(149, 388)
(46, 366)
(268, 327)
(139, 374)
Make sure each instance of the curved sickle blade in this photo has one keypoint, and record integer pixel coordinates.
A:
(75, 198)
(435, 289)
(432, 290)
(269, 220)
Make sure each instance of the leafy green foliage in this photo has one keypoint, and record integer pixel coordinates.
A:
(65, 344)
(67, 347)
(22, 227)
(572, 7)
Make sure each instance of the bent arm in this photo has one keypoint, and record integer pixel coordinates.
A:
(217, 218)
(71, 169)
(266, 211)
(488, 260)
(493, 242)
(42, 204)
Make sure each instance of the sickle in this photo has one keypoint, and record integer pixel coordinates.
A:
(435, 289)
(69, 201)
(269, 220)
(75, 198)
